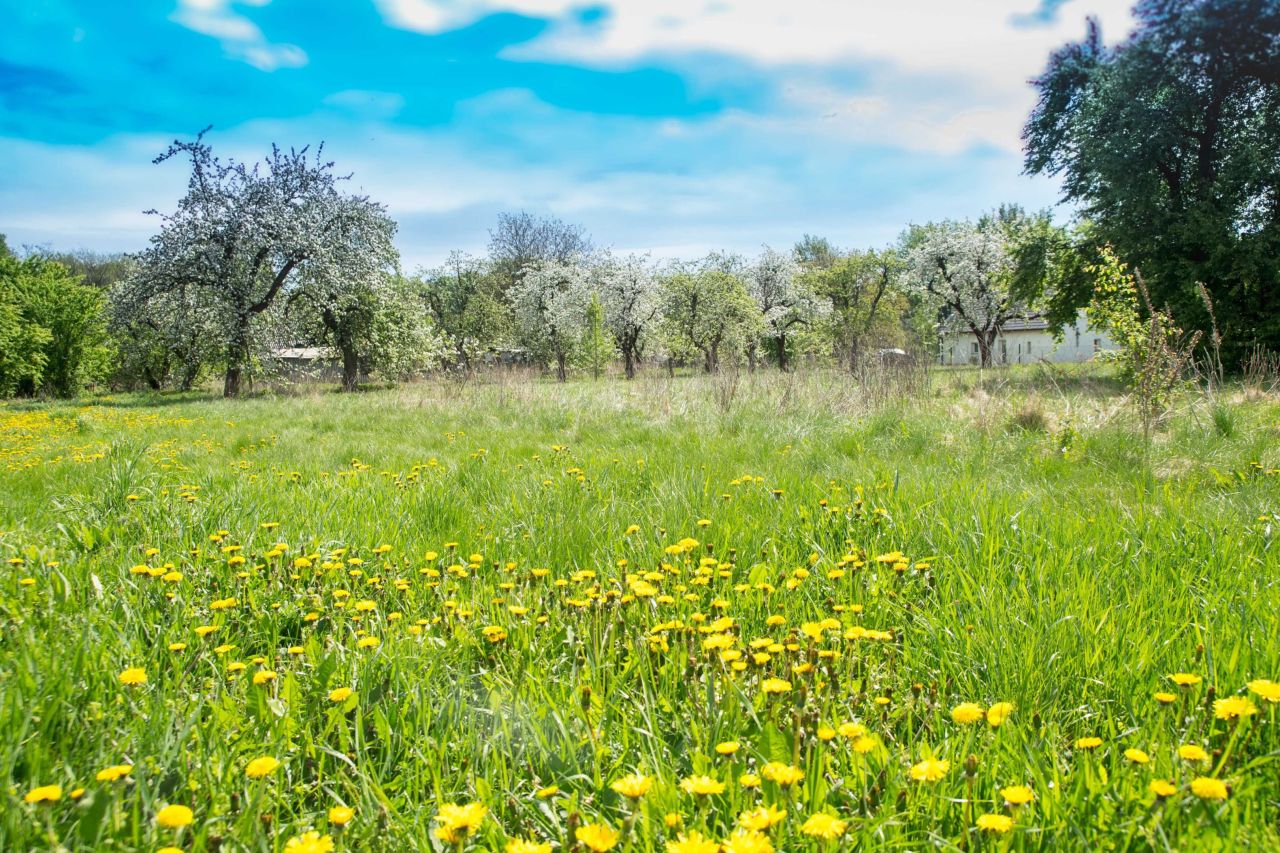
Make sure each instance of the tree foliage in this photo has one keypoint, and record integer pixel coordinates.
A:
(243, 233)
(53, 331)
(1170, 144)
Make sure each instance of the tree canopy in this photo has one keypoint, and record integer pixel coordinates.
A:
(1170, 144)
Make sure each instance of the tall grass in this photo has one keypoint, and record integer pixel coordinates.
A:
(1060, 565)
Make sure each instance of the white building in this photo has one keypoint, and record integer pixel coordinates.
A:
(1026, 340)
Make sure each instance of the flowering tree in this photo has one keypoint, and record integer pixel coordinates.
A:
(706, 310)
(783, 297)
(550, 302)
(354, 314)
(968, 270)
(243, 233)
(631, 299)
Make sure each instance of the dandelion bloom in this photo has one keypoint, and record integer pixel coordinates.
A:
(309, 842)
(749, 780)
(1137, 756)
(1185, 679)
(457, 822)
(111, 774)
(1234, 708)
(865, 744)
(1266, 689)
(1191, 752)
(174, 817)
(1089, 742)
(702, 786)
(930, 770)
(782, 774)
(1017, 795)
(728, 747)
(966, 713)
(263, 676)
(133, 676)
(1208, 788)
(341, 815)
(747, 841)
(1162, 788)
(368, 643)
(521, 845)
(340, 694)
(775, 685)
(262, 766)
(763, 818)
(694, 842)
(1165, 698)
(598, 837)
(995, 822)
(44, 794)
(852, 730)
(998, 713)
(549, 791)
(823, 825)
(633, 786)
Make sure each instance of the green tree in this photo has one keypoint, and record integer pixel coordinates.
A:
(706, 312)
(465, 300)
(1170, 144)
(596, 349)
(53, 330)
(865, 297)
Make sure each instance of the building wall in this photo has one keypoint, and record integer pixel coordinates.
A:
(1027, 346)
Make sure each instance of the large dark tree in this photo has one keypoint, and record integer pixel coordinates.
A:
(1170, 144)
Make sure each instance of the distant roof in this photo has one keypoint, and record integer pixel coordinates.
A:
(302, 353)
(1034, 323)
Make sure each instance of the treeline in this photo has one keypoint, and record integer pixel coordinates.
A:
(258, 263)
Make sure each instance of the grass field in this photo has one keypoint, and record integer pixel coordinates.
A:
(909, 617)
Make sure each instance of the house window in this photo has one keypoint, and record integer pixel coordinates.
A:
(1028, 347)
(1097, 345)
(975, 347)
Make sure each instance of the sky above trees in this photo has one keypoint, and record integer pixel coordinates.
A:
(671, 126)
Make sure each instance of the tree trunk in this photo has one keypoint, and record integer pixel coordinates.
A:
(854, 355)
(561, 374)
(350, 369)
(628, 363)
(237, 355)
(781, 341)
(986, 341)
(231, 382)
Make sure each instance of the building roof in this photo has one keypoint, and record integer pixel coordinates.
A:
(302, 353)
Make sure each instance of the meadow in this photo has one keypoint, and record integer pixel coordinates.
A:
(737, 613)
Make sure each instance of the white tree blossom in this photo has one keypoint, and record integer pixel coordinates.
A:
(784, 298)
(968, 269)
(550, 302)
(243, 233)
(631, 298)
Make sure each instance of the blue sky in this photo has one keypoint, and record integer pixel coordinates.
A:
(669, 126)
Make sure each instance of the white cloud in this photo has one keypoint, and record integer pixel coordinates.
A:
(240, 37)
(970, 53)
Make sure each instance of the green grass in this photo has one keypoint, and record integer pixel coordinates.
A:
(1052, 561)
